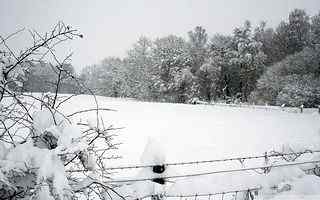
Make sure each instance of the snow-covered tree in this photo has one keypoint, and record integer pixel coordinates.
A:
(198, 39)
(292, 36)
(171, 59)
(140, 64)
(300, 90)
(298, 27)
(113, 82)
(248, 56)
(279, 76)
(315, 31)
(280, 41)
(109, 78)
(265, 36)
(208, 77)
(219, 57)
(226, 67)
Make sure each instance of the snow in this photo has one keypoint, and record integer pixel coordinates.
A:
(153, 153)
(306, 188)
(157, 132)
(44, 119)
(26, 156)
(68, 135)
(44, 193)
(189, 132)
(38, 161)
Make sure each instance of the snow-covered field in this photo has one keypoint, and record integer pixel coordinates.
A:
(179, 132)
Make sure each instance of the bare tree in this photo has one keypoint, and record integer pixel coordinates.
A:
(43, 153)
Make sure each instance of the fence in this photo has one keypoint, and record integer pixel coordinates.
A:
(299, 109)
(249, 193)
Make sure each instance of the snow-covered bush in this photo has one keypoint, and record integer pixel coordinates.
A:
(44, 153)
(300, 90)
(291, 80)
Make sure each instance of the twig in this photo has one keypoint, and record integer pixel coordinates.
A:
(89, 110)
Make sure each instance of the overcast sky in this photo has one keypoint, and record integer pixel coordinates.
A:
(110, 27)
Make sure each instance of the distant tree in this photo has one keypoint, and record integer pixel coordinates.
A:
(113, 81)
(228, 78)
(171, 59)
(268, 86)
(300, 90)
(265, 36)
(292, 36)
(139, 72)
(315, 31)
(208, 77)
(279, 76)
(42, 77)
(107, 78)
(185, 86)
(280, 41)
(92, 77)
(39, 78)
(298, 28)
(248, 56)
(227, 67)
(198, 39)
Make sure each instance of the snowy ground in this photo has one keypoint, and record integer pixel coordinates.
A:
(202, 132)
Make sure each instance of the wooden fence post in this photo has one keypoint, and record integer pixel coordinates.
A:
(301, 108)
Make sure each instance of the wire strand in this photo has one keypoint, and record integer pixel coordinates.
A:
(203, 194)
(241, 159)
(216, 172)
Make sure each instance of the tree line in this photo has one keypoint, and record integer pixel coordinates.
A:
(253, 64)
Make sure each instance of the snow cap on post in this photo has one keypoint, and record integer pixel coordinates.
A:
(154, 155)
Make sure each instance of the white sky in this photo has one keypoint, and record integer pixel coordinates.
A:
(110, 27)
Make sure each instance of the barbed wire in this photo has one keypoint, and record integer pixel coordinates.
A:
(284, 108)
(266, 168)
(241, 159)
(253, 189)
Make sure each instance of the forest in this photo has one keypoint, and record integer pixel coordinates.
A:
(260, 65)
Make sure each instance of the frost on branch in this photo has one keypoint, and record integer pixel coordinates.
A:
(45, 153)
